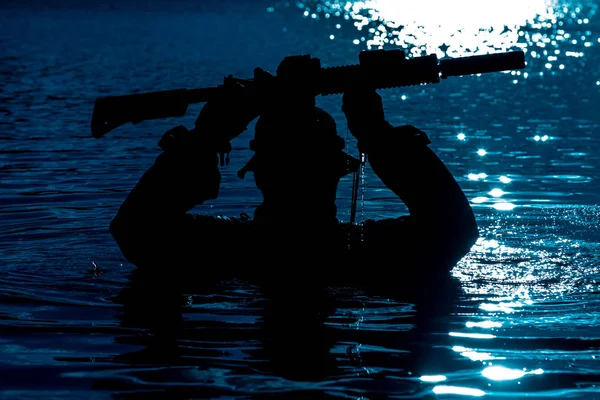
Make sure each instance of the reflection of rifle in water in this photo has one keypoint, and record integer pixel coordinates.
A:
(382, 69)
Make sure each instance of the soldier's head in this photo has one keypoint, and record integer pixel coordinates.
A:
(297, 165)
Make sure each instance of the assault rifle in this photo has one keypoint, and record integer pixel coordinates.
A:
(382, 69)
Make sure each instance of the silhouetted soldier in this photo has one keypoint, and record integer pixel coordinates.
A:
(294, 246)
(295, 238)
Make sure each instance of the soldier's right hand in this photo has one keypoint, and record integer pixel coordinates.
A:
(227, 114)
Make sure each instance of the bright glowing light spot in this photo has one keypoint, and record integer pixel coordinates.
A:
(473, 177)
(475, 356)
(306, 13)
(504, 206)
(479, 199)
(505, 179)
(331, 37)
(458, 390)
(472, 335)
(433, 378)
(356, 41)
(548, 65)
(484, 324)
(496, 192)
(544, 138)
(496, 307)
(502, 373)
(459, 349)
(538, 371)
(492, 243)
(403, 97)
(482, 175)
(461, 136)
(574, 54)
(536, 138)
(598, 83)
(481, 152)
(337, 26)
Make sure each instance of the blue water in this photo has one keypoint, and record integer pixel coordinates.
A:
(74, 322)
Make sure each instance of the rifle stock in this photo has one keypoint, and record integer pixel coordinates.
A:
(381, 68)
(113, 111)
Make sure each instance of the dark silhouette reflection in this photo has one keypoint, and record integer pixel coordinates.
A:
(154, 304)
(289, 325)
(284, 350)
(295, 340)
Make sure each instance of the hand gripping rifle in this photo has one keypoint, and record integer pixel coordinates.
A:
(381, 69)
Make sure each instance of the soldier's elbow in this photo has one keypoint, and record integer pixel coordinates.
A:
(117, 229)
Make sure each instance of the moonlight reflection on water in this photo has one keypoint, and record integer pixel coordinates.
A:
(465, 27)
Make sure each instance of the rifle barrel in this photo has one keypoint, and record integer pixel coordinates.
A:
(482, 63)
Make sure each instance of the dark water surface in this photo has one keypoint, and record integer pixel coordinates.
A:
(75, 322)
